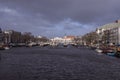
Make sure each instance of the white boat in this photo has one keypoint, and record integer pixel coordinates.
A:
(6, 48)
(98, 50)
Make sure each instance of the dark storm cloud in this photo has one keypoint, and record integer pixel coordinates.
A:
(48, 17)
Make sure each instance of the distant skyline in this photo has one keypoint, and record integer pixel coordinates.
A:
(52, 18)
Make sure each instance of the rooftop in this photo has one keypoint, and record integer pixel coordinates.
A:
(111, 25)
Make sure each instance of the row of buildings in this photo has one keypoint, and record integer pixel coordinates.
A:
(106, 34)
(11, 36)
(109, 33)
(64, 40)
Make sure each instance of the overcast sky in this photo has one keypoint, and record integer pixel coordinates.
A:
(57, 17)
